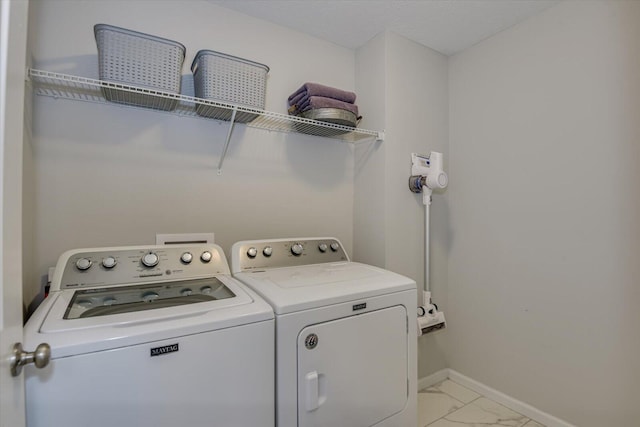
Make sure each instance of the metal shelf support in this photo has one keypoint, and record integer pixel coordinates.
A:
(226, 145)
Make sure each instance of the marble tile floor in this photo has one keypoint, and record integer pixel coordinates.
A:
(448, 404)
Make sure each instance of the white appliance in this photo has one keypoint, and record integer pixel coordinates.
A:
(345, 333)
(151, 336)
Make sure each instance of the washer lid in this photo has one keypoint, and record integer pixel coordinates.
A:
(293, 289)
(126, 299)
(71, 329)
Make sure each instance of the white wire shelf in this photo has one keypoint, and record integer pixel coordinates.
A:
(77, 88)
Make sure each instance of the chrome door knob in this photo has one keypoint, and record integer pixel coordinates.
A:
(19, 357)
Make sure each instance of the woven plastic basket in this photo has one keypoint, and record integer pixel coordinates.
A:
(140, 60)
(229, 79)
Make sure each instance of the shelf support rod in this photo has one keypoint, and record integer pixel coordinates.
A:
(226, 145)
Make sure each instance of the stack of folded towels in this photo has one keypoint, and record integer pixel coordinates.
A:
(312, 96)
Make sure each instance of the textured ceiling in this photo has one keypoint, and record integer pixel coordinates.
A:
(448, 26)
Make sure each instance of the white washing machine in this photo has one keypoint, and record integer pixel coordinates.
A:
(151, 336)
(345, 333)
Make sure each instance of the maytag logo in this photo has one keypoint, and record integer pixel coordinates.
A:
(360, 306)
(159, 351)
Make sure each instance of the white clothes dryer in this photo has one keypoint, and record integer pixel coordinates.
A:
(345, 333)
(151, 336)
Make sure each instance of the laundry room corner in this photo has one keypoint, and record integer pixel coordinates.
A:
(406, 85)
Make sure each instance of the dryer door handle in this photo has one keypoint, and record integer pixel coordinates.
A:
(311, 386)
(315, 390)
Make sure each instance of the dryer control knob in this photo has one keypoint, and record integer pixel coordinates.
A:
(150, 259)
(83, 264)
(297, 249)
(109, 262)
(267, 251)
(186, 257)
(322, 247)
(335, 246)
(206, 256)
(252, 252)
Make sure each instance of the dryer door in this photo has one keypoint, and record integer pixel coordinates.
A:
(353, 371)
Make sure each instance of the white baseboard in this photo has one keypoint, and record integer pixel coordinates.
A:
(433, 379)
(493, 394)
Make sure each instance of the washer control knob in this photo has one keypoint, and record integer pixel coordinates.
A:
(186, 257)
(322, 247)
(267, 251)
(186, 292)
(83, 264)
(109, 301)
(206, 256)
(297, 249)
(150, 259)
(109, 262)
(335, 246)
(252, 252)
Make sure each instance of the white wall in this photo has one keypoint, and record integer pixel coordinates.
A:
(370, 198)
(544, 206)
(108, 175)
(410, 86)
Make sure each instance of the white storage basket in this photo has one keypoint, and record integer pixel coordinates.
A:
(228, 79)
(141, 60)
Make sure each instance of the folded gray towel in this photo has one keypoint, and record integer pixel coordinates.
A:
(315, 89)
(314, 102)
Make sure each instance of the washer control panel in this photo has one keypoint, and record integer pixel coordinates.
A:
(101, 267)
(261, 254)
